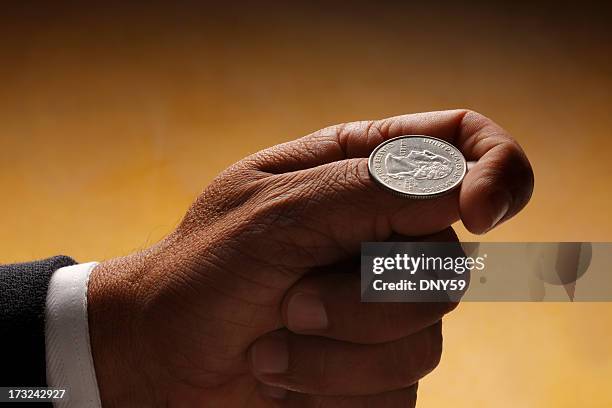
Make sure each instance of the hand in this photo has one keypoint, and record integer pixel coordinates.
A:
(247, 298)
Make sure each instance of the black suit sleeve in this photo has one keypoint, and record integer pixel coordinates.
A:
(23, 292)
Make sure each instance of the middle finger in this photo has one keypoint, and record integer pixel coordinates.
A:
(322, 366)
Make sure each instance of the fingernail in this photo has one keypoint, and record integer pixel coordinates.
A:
(270, 356)
(272, 392)
(500, 204)
(306, 312)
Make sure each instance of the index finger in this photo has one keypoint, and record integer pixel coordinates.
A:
(353, 140)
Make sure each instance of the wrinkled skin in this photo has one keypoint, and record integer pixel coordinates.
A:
(254, 300)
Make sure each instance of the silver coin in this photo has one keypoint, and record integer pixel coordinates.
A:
(417, 166)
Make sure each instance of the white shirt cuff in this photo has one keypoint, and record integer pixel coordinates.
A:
(68, 350)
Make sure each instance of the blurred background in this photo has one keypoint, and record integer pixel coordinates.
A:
(114, 116)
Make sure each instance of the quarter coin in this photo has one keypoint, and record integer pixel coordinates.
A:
(417, 166)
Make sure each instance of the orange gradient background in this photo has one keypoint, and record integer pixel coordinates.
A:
(114, 117)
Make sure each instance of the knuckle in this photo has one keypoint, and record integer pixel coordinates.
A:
(434, 354)
(474, 116)
(519, 172)
(513, 171)
(370, 130)
(271, 158)
(412, 363)
(437, 310)
(447, 307)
